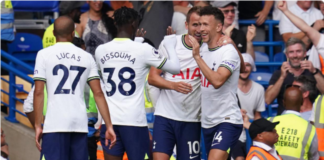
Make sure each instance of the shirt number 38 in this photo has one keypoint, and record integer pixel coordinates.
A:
(129, 80)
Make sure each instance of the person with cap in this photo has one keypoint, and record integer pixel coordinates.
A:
(264, 137)
(67, 8)
(238, 36)
(242, 41)
(251, 98)
(297, 137)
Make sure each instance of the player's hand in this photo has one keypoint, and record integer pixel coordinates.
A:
(228, 30)
(307, 65)
(195, 47)
(319, 24)
(282, 5)
(246, 121)
(182, 87)
(285, 67)
(38, 137)
(224, 40)
(110, 136)
(262, 16)
(140, 32)
(243, 112)
(170, 31)
(250, 33)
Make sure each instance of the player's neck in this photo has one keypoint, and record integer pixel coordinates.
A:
(213, 42)
(60, 39)
(123, 34)
(187, 40)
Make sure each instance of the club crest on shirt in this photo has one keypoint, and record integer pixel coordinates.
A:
(36, 71)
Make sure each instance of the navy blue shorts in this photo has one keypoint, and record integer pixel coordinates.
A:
(134, 141)
(185, 135)
(65, 146)
(222, 136)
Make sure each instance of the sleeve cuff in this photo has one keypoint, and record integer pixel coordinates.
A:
(39, 79)
(93, 78)
(162, 64)
(222, 65)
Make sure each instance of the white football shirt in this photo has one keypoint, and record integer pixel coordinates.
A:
(175, 105)
(65, 68)
(220, 105)
(124, 65)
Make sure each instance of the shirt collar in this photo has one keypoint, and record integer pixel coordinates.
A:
(263, 146)
(291, 112)
(302, 11)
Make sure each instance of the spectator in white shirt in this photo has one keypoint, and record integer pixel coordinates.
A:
(311, 33)
(303, 10)
(251, 97)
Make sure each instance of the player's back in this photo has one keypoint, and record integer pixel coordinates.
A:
(66, 69)
(220, 105)
(124, 65)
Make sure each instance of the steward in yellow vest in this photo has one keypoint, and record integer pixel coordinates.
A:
(297, 137)
(318, 120)
(264, 137)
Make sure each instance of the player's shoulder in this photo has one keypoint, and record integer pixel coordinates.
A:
(228, 50)
(228, 47)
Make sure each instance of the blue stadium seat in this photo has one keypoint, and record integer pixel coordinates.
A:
(261, 57)
(25, 47)
(261, 77)
(35, 6)
(279, 57)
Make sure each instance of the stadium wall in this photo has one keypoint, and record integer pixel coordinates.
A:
(20, 139)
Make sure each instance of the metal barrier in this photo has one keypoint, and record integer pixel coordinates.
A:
(13, 72)
(270, 42)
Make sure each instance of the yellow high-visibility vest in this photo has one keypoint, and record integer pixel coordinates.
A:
(295, 136)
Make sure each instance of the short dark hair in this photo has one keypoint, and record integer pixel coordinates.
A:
(308, 84)
(78, 42)
(195, 9)
(217, 13)
(124, 15)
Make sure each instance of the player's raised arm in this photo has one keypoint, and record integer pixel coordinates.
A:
(156, 80)
(218, 78)
(171, 65)
(312, 33)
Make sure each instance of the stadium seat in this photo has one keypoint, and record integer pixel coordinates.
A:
(25, 47)
(261, 57)
(35, 6)
(261, 77)
(279, 57)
